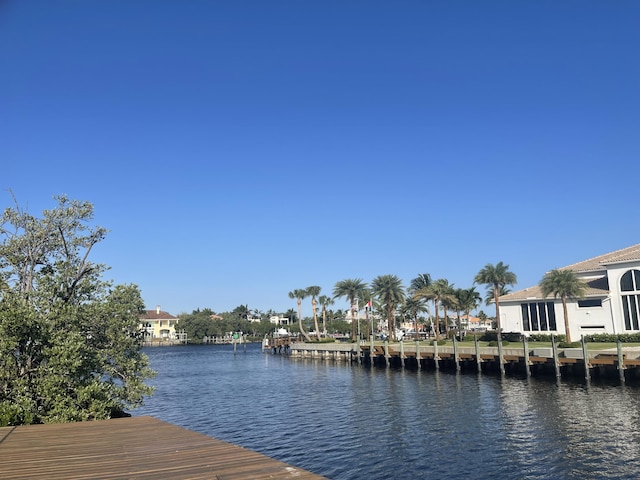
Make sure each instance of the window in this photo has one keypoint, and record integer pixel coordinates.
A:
(630, 282)
(591, 302)
(538, 316)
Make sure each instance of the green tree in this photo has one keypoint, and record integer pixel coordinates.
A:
(437, 291)
(325, 302)
(468, 299)
(390, 292)
(564, 284)
(199, 324)
(489, 296)
(423, 280)
(313, 292)
(300, 294)
(350, 289)
(70, 347)
(413, 307)
(497, 277)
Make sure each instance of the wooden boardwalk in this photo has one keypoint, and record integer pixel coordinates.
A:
(130, 448)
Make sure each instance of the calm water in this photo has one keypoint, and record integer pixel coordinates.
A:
(352, 422)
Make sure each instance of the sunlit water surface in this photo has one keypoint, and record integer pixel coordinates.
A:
(352, 422)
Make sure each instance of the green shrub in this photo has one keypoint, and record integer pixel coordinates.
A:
(569, 345)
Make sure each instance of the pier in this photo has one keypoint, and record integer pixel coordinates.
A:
(623, 362)
(135, 447)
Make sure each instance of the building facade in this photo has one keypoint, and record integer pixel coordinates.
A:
(611, 304)
(158, 325)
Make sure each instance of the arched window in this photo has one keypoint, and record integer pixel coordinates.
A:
(630, 285)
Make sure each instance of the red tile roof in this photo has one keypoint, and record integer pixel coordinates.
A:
(154, 315)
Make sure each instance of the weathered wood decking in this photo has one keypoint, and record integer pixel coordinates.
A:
(131, 448)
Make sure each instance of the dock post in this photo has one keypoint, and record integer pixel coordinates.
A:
(585, 356)
(359, 350)
(235, 346)
(500, 356)
(455, 353)
(436, 358)
(401, 353)
(554, 350)
(525, 345)
(620, 361)
(418, 354)
(371, 351)
(478, 357)
(386, 352)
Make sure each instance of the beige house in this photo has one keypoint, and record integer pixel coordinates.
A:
(158, 325)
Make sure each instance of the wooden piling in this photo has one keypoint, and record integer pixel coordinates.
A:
(621, 366)
(585, 356)
(500, 356)
(455, 353)
(478, 357)
(527, 363)
(554, 350)
(387, 358)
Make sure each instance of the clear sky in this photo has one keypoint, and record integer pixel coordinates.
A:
(237, 150)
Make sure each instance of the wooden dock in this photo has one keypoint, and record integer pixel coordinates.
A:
(130, 448)
(622, 361)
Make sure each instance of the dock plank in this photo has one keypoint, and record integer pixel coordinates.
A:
(136, 447)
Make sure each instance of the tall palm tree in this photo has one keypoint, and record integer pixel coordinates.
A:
(413, 307)
(421, 281)
(299, 294)
(448, 300)
(564, 284)
(350, 289)
(325, 301)
(469, 299)
(496, 276)
(313, 292)
(489, 297)
(436, 291)
(390, 292)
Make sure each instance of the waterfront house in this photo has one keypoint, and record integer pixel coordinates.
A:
(611, 304)
(157, 325)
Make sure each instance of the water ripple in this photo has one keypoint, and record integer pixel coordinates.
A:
(352, 422)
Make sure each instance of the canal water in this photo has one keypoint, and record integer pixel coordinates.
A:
(347, 421)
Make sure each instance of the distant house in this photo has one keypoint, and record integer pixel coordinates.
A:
(156, 324)
(279, 320)
(611, 304)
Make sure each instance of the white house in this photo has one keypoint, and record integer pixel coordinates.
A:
(611, 303)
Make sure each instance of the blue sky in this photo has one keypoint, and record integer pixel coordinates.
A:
(237, 150)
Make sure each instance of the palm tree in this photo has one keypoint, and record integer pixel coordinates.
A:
(496, 276)
(351, 289)
(468, 300)
(313, 292)
(390, 292)
(324, 303)
(564, 284)
(448, 300)
(413, 307)
(299, 294)
(436, 291)
(421, 281)
(489, 297)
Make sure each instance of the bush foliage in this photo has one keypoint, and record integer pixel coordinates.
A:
(70, 348)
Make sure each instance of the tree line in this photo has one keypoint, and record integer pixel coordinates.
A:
(386, 297)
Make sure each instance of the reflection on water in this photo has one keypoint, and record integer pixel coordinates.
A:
(350, 422)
